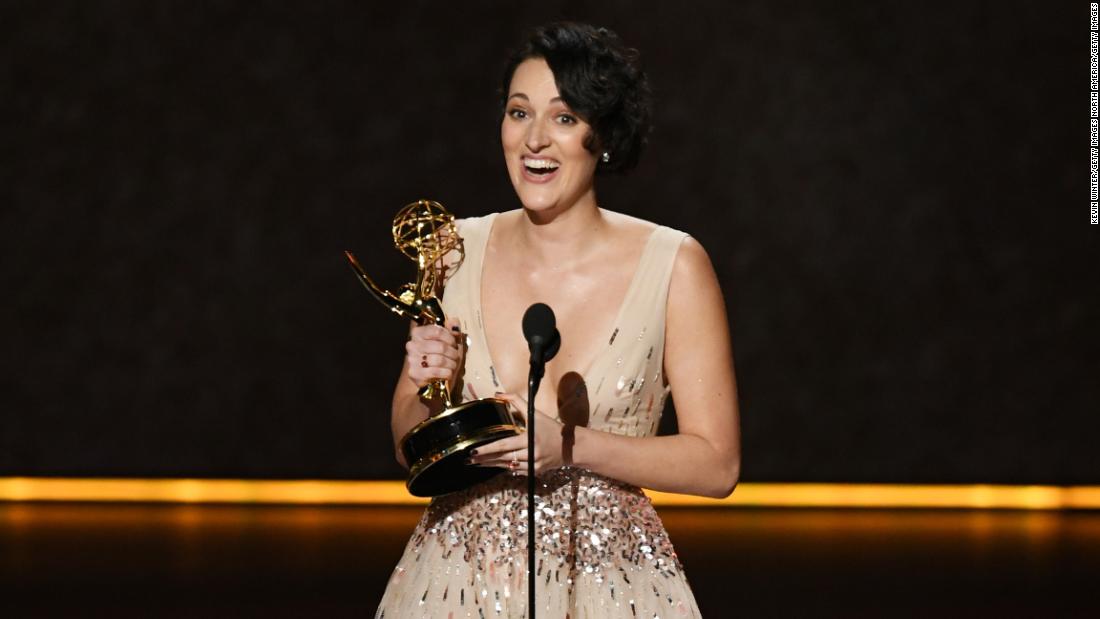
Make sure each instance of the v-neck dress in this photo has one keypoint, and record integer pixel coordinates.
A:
(602, 552)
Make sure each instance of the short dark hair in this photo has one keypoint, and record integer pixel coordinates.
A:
(601, 79)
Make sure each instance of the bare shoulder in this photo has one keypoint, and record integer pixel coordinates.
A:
(692, 262)
(694, 283)
(507, 218)
(462, 226)
(692, 267)
(473, 220)
(633, 230)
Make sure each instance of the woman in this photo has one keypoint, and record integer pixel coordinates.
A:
(640, 313)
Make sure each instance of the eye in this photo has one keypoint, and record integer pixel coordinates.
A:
(567, 119)
(517, 113)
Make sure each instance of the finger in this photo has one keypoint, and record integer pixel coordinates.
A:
(518, 405)
(509, 448)
(417, 348)
(512, 398)
(521, 413)
(437, 361)
(422, 376)
(515, 402)
(420, 332)
(511, 464)
(440, 333)
(459, 337)
(454, 326)
(433, 332)
(502, 464)
(429, 364)
(514, 455)
(507, 459)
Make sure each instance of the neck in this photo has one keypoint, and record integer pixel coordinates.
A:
(561, 237)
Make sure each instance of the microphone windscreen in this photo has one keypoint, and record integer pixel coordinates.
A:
(539, 322)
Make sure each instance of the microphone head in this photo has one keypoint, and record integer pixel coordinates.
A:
(539, 324)
(553, 347)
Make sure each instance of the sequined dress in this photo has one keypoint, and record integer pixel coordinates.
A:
(602, 552)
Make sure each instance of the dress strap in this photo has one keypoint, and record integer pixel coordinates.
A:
(656, 267)
(635, 351)
(462, 300)
(475, 236)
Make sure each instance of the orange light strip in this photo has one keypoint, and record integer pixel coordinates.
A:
(899, 496)
(311, 492)
(320, 492)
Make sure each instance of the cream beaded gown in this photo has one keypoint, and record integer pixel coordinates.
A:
(602, 552)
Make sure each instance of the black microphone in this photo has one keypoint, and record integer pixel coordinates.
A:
(542, 336)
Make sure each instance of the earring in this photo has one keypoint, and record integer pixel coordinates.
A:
(606, 157)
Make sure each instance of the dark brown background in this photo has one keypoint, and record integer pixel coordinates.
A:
(894, 196)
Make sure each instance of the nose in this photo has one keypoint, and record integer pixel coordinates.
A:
(537, 137)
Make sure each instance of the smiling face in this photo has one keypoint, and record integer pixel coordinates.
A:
(543, 142)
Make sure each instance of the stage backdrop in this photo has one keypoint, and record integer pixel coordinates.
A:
(894, 196)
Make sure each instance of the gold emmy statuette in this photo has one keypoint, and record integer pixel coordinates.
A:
(437, 448)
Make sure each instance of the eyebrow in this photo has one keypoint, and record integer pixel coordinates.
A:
(524, 97)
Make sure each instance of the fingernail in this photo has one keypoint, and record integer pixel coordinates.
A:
(455, 328)
(473, 452)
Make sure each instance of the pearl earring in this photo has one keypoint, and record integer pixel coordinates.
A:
(606, 157)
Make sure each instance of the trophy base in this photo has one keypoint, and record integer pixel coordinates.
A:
(437, 448)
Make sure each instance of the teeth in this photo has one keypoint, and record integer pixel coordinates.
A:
(540, 164)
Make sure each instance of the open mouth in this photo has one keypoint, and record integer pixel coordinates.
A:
(540, 167)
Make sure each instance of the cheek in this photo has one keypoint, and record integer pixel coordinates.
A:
(581, 158)
(511, 136)
(574, 145)
(510, 142)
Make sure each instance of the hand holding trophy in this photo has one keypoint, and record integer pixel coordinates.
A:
(436, 449)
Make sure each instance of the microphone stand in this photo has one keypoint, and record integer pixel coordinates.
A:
(539, 357)
(532, 388)
(544, 340)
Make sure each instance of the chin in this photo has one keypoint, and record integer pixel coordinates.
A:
(535, 200)
(538, 204)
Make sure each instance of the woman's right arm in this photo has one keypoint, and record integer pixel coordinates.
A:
(432, 352)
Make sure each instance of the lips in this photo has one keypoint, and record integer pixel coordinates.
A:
(540, 170)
